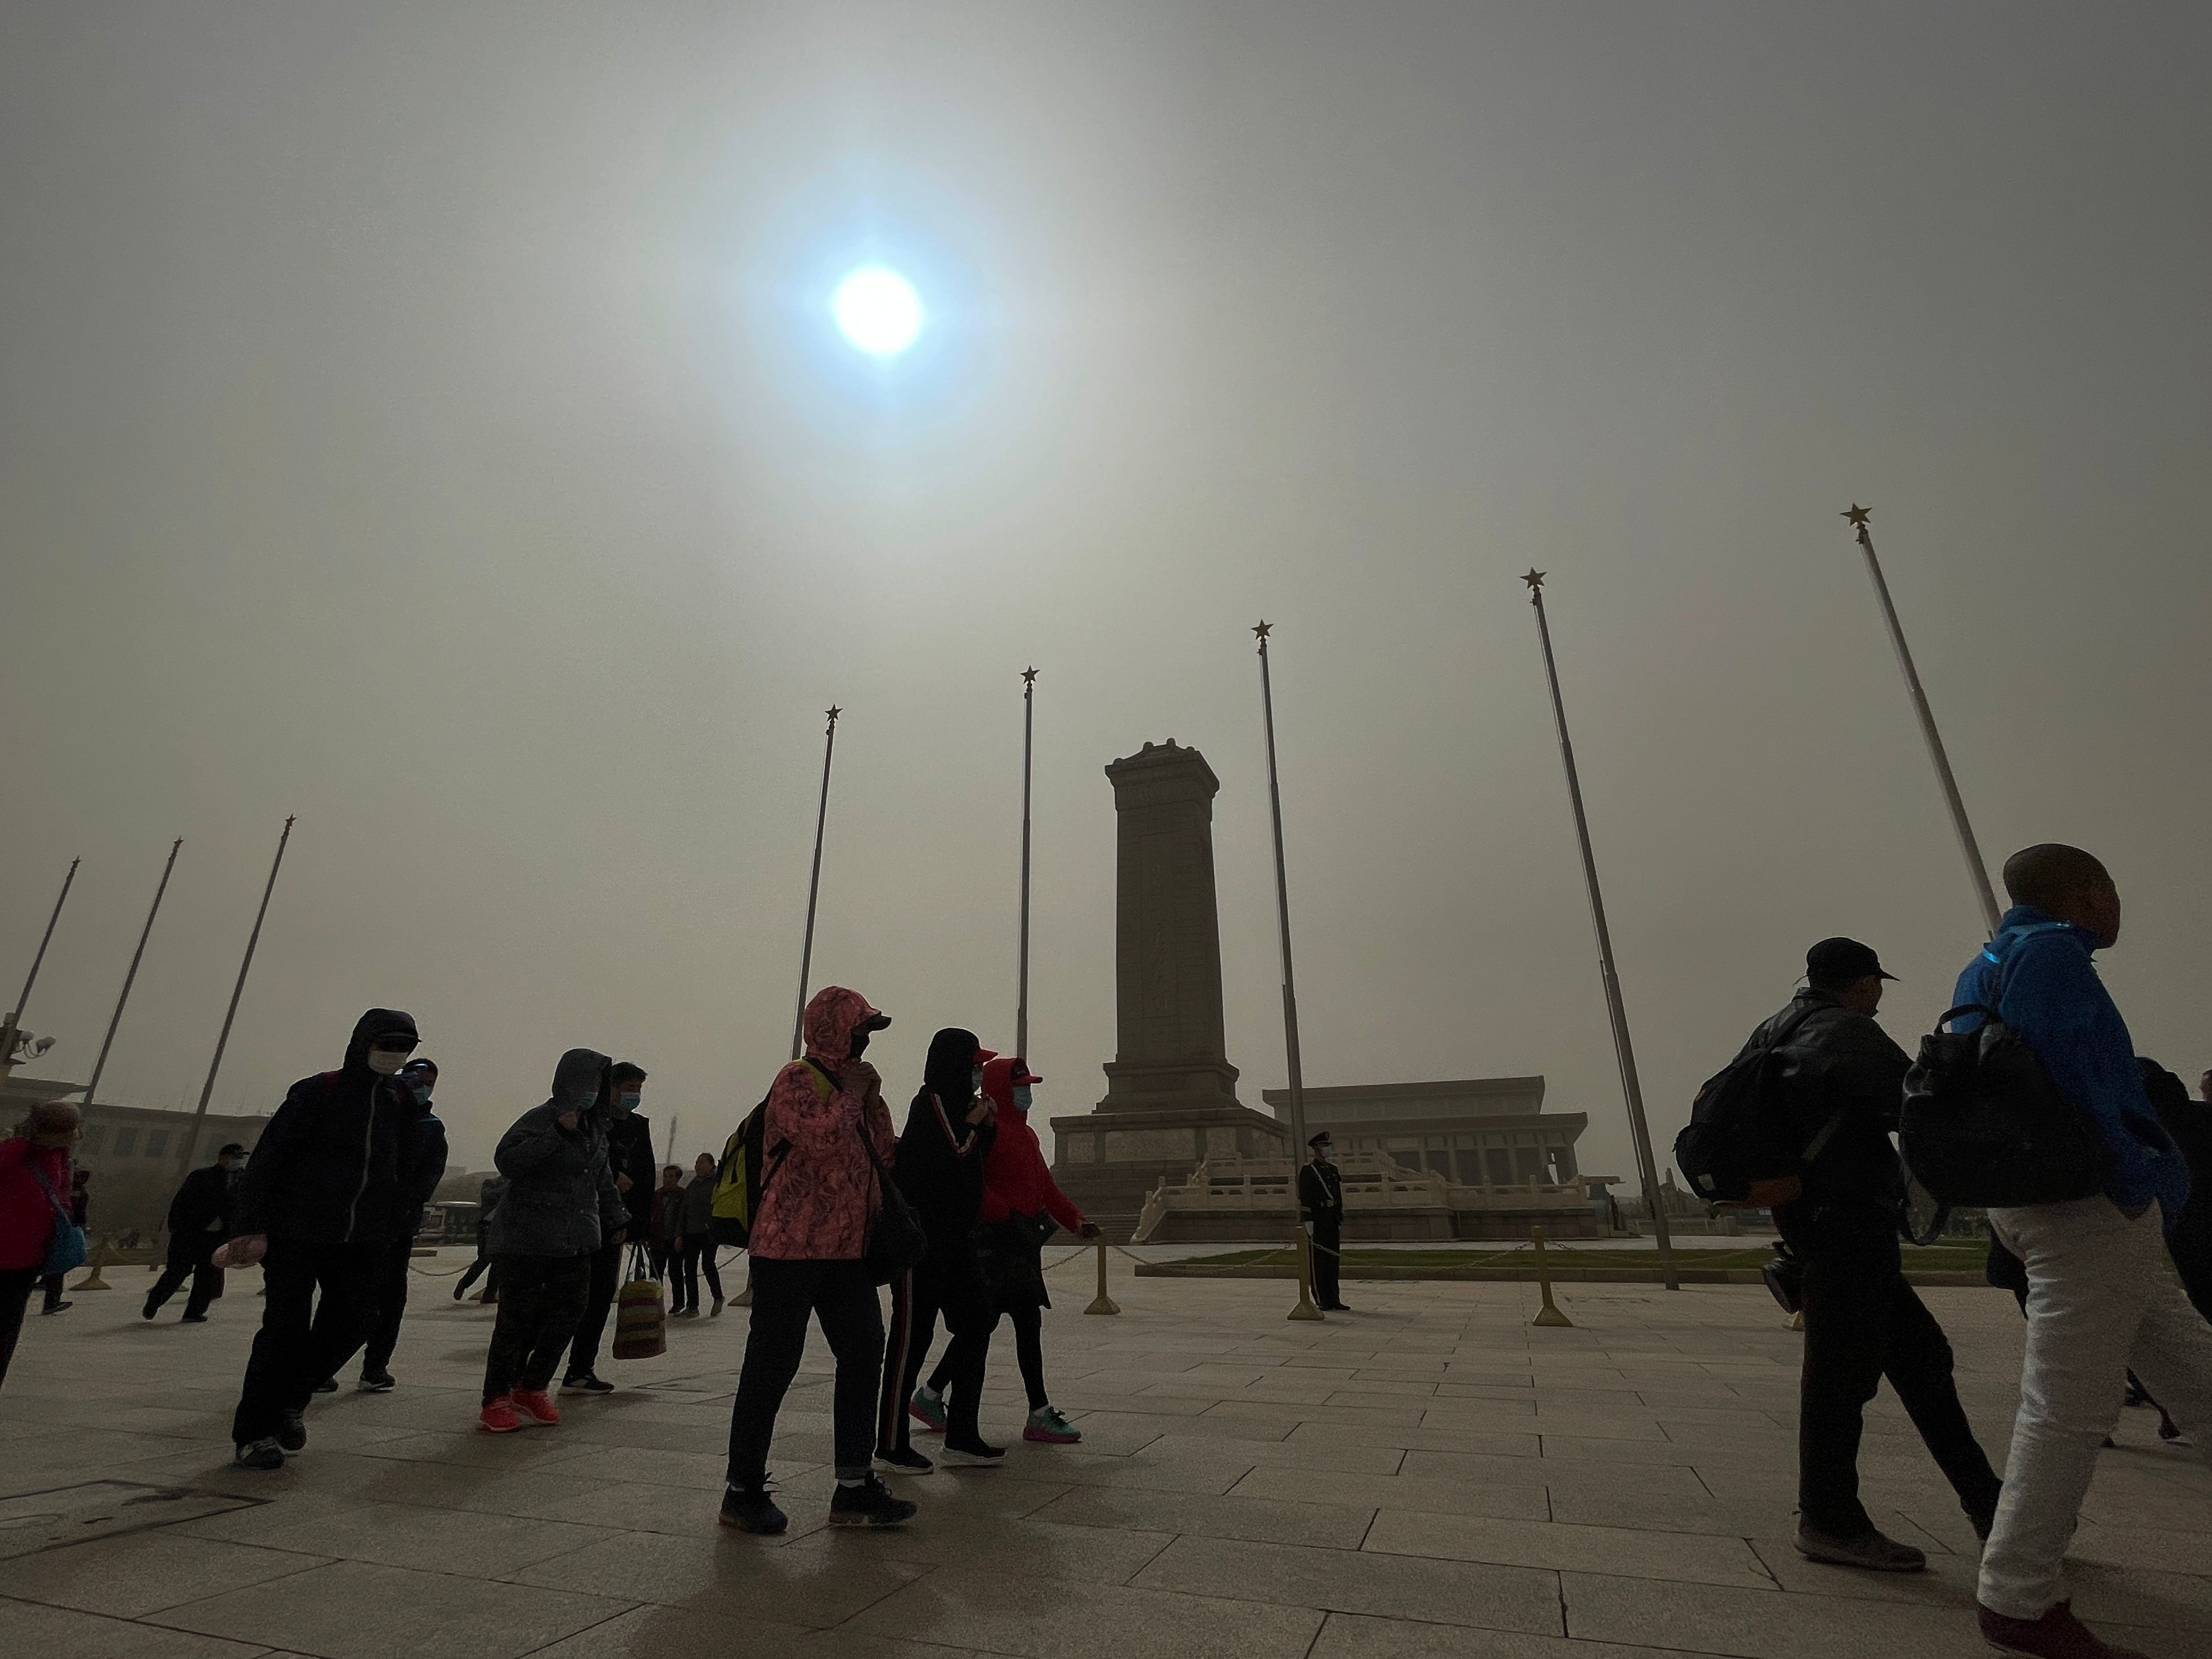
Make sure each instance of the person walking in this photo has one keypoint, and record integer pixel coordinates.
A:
(426, 1168)
(1827, 1169)
(34, 1171)
(826, 1132)
(325, 1197)
(668, 1241)
(2101, 1299)
(1022, 1204)
(697, 1253)
(79, 1207)
(629, 1141)
(2188, 1124)
(562, 1210)
(942, 1157)
(1320, 1209)
(199, 1221)
(486, 1266)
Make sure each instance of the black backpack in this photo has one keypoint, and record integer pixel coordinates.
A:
(1984, 1124)
(1735, 1132)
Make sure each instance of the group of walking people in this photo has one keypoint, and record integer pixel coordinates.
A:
(2100, 1300)
(951, 1212)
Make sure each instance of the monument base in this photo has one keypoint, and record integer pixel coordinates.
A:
(1109, 1161)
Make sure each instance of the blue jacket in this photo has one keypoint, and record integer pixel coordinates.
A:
(2053, 998)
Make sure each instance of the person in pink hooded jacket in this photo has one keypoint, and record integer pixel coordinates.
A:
(825, 1134)
(1021, 1203)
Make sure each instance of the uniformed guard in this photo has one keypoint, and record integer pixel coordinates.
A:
(1320, 1206)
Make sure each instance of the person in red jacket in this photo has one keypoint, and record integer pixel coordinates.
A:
(35, 1184)
(1021, 1204)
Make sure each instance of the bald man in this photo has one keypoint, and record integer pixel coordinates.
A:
(2101, 1299)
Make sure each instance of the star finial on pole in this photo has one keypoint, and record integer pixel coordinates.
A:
(1858, 515)
(1029, 677)
(834, 712)
(1262, 632)
(1535, 579)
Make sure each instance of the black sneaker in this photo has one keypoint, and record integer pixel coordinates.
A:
(751, 1510)
(191, 1319)
(1870, 1550)
(151, 1308)
(57, 1307)
(260, 1455)
(869, 1504)
(903, 1462)
(977, 1455)
(292, 1431)
(377, 1382)
(585, 1383)
(328, 1385)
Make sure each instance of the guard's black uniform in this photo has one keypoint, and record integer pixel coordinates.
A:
(1321, 1201)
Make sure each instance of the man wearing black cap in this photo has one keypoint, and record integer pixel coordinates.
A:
(1835, 1194)
(1320, 1208)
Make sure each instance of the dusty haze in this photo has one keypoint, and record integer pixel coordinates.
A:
(424, 419)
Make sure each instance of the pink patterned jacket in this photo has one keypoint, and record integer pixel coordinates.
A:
(817, 1198)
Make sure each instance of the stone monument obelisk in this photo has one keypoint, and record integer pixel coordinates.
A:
(1170, 1092)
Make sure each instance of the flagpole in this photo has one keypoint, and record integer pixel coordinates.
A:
(1623, 1050)
(223, 1040)
(91, 1089)
(814, 887)
(1976, 870)
(1021, 999)
(1305, 1309)
(11, 1026)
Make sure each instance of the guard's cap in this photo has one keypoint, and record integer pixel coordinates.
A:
(1320, 1139)
(1839, 961)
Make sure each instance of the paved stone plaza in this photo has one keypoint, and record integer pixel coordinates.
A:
(1427, 1477)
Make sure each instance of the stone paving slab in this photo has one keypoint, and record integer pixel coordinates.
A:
(1428, 1478)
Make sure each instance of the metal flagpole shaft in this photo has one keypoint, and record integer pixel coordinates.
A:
(1968, 846)
(91, 1089)
(1623, 1049)
(1305, 1309)
(11, 1027)
(222, 1042)
(1022, 1000)
(814, 887)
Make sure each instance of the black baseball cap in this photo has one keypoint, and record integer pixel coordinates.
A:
(1840, 961)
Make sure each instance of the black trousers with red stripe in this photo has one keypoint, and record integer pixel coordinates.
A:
(949, 1283)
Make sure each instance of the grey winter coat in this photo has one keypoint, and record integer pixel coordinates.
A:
(561, 1197)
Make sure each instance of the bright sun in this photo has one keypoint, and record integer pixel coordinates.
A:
(877, 311)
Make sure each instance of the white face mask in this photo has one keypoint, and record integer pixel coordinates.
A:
(1022, 1095)
(385, 1061)
(975, 1081)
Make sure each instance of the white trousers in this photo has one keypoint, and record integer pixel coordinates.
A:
(2102, 1300)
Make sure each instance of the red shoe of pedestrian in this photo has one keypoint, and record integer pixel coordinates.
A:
(2058, 1635)
(498, 1416)
(535, 1405)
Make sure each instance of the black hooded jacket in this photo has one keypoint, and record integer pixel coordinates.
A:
(941, 1155)
(339, 1161)
(561, 1198)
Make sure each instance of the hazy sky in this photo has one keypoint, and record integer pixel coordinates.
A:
(426, 419)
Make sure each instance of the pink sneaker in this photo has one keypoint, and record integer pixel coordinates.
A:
(535, 1405)
(498, 1416)
(1048, 1425)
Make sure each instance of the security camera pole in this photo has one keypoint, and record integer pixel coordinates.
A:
(11, 1026)
(1623, 1050)
(92, 1088)
(1977, 872)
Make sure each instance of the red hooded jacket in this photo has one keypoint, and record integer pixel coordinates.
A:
(816, 1200)
(1016, 1181)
